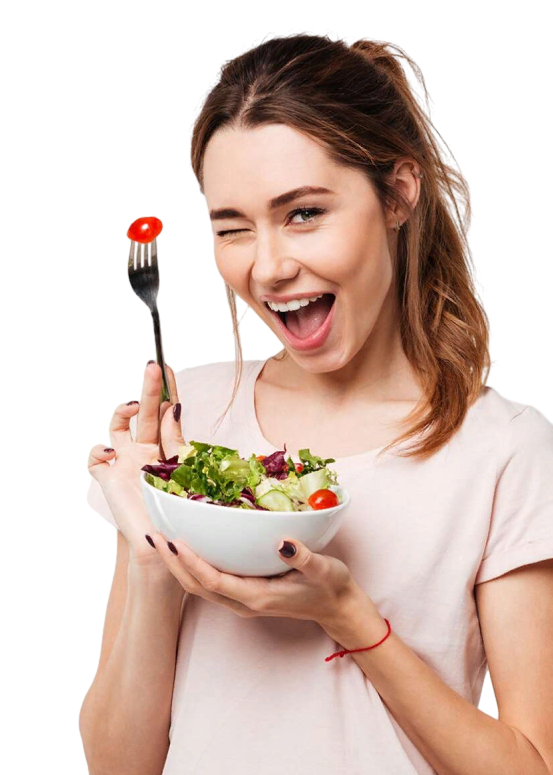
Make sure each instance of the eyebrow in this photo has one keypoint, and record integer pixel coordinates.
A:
(274, 204)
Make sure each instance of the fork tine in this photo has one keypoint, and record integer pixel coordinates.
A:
(143, 272)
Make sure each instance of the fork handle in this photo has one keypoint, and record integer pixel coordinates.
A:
(166, 393)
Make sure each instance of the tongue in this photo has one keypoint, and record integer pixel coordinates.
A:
(304, 321)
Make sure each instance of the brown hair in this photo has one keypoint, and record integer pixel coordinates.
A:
(357, 101)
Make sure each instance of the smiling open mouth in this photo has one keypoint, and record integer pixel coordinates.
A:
(306, 320)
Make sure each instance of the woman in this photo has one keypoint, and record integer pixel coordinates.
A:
(323, 178)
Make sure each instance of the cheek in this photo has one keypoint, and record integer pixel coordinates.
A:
(380, 274)
(367, 296)
(232, 270)
(354, 249)
(373, 284)
(226, 269)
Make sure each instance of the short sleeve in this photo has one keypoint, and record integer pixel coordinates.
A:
(521, 526)
(95, 496)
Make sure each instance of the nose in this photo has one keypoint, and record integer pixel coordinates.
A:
(271, 264)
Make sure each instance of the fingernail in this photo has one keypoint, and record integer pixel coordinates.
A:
(132, 402)
(149, 540)
(149, 363)
(108, 449)
(172, 547)
(176, 412)
(287, 549)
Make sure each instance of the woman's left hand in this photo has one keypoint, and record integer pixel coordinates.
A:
(319, 588)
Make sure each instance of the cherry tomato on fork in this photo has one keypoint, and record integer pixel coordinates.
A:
(323, 499)
(145, 229)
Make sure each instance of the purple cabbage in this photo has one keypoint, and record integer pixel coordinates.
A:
(164, 469)
(275, 465)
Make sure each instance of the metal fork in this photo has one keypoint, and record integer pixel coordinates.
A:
(144, 278)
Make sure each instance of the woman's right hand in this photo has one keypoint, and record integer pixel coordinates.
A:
(120, 481)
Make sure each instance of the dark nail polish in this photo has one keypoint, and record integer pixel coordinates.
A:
(149, 363)
(132, 402)
(288, 549)
(176, 412)
(172, 547)
(108, 449)
(149, 540)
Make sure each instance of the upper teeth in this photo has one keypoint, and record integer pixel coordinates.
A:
(284, 306)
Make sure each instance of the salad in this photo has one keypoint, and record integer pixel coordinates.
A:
(216, 474)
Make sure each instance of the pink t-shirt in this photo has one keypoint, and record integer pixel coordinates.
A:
(256, 695)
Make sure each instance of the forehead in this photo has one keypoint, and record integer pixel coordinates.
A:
(256, 164)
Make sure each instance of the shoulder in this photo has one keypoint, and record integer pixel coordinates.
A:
(510, 417)
(495, 409)
(511, 426)
(498, 429)
(523, 421)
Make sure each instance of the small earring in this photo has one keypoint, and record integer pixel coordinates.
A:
(419, 175)
(398, 225)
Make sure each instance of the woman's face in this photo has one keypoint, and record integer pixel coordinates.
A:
(338, 245)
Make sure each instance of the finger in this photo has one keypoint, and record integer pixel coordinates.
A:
(189, 582)
(186, 579)
(119, 427)
(163, 408)
(249, 592)
(97, 460)
(173, 392)
(147, 426)
(172, 386)
(171, 428)
(171, 434)
(170, 438)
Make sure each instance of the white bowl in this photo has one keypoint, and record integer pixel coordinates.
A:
(241, 541)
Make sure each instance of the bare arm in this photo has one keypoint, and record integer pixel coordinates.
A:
(126, 714)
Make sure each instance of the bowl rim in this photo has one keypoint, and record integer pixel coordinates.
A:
(249, 511)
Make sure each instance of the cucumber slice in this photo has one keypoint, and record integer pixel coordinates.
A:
(276, 500)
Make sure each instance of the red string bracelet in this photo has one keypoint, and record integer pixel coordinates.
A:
(350, 651)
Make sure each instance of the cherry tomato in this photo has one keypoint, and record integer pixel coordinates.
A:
(299, 467)
(323, 499)
(145, 229)
(261, 457)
